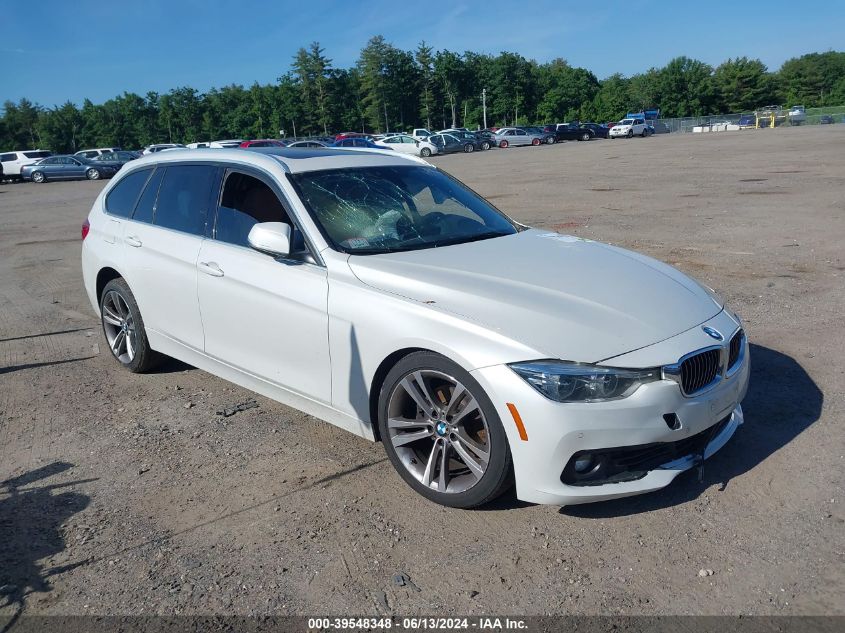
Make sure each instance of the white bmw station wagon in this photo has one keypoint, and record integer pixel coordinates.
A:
(376, 292)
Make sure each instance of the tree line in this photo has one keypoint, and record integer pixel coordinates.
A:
(390, 89)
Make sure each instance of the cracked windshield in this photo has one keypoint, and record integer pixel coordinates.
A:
(374, 210)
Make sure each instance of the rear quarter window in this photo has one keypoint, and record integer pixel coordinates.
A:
(122, 198)
(146, 205)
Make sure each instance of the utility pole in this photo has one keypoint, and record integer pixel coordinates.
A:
(484, 105)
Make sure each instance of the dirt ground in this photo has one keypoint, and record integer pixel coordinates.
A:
(126, 494)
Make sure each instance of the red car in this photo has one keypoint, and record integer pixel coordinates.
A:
(263, 142)
(343, 135)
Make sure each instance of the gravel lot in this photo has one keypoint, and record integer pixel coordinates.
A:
(127, 494)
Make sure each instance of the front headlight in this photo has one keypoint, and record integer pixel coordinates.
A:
(576, 382)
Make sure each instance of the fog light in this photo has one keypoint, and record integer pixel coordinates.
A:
(584, 463)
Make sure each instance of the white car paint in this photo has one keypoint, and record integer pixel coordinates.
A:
(13, 161)
(629, 128)
(407, 144)
(485, 304)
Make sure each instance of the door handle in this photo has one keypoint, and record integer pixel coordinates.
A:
(211, 268)
(132, 241)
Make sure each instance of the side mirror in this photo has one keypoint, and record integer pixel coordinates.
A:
(270, 237)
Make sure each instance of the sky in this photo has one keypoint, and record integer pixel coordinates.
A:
(52, 51)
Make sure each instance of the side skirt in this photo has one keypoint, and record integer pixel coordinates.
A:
(168, 346)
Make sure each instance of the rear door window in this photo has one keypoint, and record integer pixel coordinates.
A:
(121, 200)
(183, 198)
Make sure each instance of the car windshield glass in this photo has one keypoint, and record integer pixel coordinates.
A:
(372, 210)
(626, 122)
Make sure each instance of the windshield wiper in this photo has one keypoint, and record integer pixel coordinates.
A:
(470, 238)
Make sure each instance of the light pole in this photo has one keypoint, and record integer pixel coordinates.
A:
(484, 105)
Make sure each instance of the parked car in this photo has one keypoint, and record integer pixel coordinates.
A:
(263, 142)
(12, 162)
(449, 143)
(357, 142)
(93, 153)
(548, 137)
(507, 136)
(408, 145)
(394, 302)
(488, 136)
(67, 168)
(478, 142)
(308, 143)
(157, 147)
(116, 159)
(629, 127)
(420, 133)
(797, 115)
(826, 119)
(599, 131)
(569, 132)
(343, 135)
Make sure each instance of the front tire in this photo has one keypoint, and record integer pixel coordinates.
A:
(124, 328)
(38, 177)
(503, 144)
(485, 146)
(469, 148)
(630, 134)
(442, 433)
(92, 174)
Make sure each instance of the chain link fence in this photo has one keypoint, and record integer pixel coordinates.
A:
(745, 120)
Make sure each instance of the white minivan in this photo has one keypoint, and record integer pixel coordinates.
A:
(13, 161)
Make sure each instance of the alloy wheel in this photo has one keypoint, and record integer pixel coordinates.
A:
(37, 177)
(93, 174)
(438, 430)
(119, 326)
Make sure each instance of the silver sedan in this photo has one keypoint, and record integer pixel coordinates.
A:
(508, 136)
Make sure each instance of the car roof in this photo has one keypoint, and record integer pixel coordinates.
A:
(291, 159)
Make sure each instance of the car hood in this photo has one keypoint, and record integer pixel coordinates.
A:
(564, 296)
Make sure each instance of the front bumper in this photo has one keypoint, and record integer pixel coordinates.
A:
(618, 132)
(556, 431)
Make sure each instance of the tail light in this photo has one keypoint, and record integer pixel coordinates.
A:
(86, 226)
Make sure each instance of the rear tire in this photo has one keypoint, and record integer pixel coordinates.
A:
(124, 330)
(463, 438)
(503, 144)
(425, 152)
(586, 136)
(535, 142)
(469, 148)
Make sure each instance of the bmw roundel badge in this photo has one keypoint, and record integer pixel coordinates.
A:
(713, 333)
